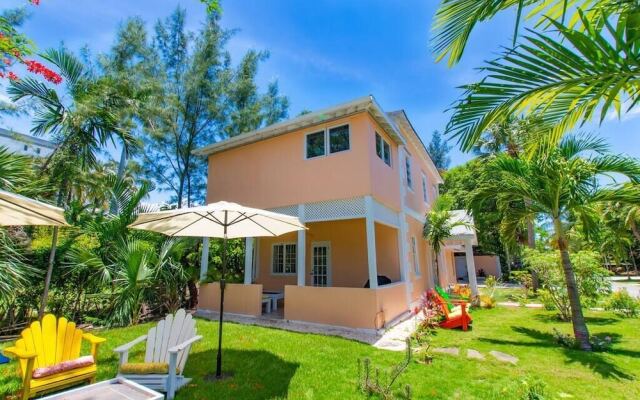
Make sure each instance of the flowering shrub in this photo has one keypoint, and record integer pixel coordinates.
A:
(14, 46)
(463, 291)
(623, 304)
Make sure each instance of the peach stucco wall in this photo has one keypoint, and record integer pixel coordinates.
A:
(385, 183)
(238, 299)
(274, 172)
(367, 308)
(387, 254)
(490, 264)
(348, 243)
(392, 301)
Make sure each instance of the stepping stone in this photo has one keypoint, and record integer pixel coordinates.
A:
(504, 357)
(475, 354)
(452, 351)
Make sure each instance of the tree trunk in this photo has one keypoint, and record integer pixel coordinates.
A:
(531, 243)
(580, 330)
(634, 229)
(113, 207)
(47, 280)
(632, 255)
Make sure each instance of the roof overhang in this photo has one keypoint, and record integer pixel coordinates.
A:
(461, 233)
(363, 104)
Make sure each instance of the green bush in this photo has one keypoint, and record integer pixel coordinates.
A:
(590, 276)
(623, 304)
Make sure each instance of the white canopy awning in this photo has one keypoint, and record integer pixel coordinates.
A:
(19, 210)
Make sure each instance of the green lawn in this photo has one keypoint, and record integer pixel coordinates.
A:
(273, 364)
(512, 294)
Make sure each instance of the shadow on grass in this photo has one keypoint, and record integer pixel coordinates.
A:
(256, 374)
(552, 318)
(595, 361)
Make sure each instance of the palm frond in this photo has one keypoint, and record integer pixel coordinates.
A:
(564, 82)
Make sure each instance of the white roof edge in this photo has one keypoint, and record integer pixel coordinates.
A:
(360, 104)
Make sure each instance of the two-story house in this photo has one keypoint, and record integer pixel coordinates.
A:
(362, 181)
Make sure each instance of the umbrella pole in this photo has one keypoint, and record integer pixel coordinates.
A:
(222, 287)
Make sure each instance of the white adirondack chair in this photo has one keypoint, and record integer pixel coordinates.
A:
(168, 342)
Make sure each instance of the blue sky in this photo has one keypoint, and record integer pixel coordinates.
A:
(323, 52)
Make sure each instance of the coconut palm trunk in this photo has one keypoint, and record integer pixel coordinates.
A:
(580, 330)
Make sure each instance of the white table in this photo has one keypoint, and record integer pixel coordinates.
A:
(275, 296)
(114, 389)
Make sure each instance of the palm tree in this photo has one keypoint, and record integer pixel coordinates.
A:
(82, 125)
(561, 184)
(567, 74)
(438, 226)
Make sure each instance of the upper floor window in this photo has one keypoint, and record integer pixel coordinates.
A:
(383, 149)
(414, 251)
(436, 191)
(25, 147)
(329, 141)
(339, 139)
(425, 190)
(407, 166)
(284, 258)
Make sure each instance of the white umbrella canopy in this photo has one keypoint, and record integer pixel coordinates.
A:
(218, 220)
(19, 210)
(222, 220)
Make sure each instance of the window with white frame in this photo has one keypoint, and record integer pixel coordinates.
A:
(315, 144)
(383, 149)
(425, 188)
(328, 141)
(407, 167)
(283, 259)
(414, 252)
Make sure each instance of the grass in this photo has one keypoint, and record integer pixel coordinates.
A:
(275, 364)
(513, 295)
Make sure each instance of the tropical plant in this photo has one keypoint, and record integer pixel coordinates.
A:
(623, 304)
(564, 74)
(591, 279)
(561, 184)
(15, 273)
(439, 225)
(82, 123)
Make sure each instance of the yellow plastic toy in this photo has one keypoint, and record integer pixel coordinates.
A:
(43, 348)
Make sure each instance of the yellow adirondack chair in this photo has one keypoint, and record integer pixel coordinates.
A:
(48, 344)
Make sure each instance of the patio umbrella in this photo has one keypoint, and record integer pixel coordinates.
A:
(19, 210)
(221, 220)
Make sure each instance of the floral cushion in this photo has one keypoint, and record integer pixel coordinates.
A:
(144, 368)
(63, 367)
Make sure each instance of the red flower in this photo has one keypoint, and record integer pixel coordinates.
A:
(35, 2)
(13, 76)
(38, 68)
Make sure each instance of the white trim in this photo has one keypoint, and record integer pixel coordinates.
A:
(326, 244)
(372, 265)
(284, 259)
(301, 250)
(471, 267)
(327, 140)
(248, 260)
(204, 260)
